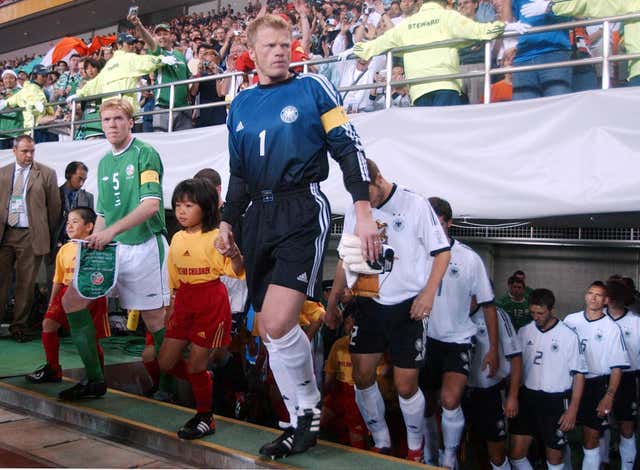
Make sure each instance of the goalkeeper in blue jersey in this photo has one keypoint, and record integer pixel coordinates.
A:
(280, 131)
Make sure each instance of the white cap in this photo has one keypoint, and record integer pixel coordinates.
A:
(9, 72)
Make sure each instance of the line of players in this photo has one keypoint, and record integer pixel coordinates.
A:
(540, 381)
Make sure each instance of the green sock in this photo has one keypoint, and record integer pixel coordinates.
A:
(167, 382)
(83, 335)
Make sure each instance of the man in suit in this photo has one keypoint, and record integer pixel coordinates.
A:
(29, 214)
(72, 196)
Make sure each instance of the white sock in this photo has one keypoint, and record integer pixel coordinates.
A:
(371, 406)
(627, 452)
(452, 427)
(413, 414)
(431, 440)
(591, 459)
(521, 464)
(285, 384)
(295, 353)
(504, 466)
(605, 442)
(551, 466)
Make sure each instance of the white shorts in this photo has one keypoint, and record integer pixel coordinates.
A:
(143, 281)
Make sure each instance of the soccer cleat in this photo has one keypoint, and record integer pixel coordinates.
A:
(416, 455)
(44, 374)
(381, 450)
(83, 389)
(281, 446)
(306, 433)
(202, 424)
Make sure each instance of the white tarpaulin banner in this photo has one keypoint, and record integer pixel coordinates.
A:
(572, 154)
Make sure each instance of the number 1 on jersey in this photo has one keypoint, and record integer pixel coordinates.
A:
(263, 138)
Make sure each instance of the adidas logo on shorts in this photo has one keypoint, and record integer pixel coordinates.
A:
(303, 278)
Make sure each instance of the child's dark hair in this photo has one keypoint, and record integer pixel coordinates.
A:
(199, 191)
(543, 298)
(87, 214)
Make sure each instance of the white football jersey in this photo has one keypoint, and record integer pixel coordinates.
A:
(508, 347)
(601, 342)
(408, 224)
(465, 276)
(550, 358)
(629, 324)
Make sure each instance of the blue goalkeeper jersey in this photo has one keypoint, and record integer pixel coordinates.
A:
(279, 136)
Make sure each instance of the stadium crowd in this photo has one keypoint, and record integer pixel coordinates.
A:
(215, 42)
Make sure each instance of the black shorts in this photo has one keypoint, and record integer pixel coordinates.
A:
(625, 405)
(538, 415)
(594, 391)
(379, 328)
(444, 357)
(483, 412)
(284, 236)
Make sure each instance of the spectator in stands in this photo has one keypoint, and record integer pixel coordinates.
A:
(471, 57)
(399, 95)
(486, 11)
(161, 46)
(9, 120)
(359, 72)
(32, 100)
(29, 213)
(68, 82)
(584, 76)
(61, 67)
(515, 303)
(71, 196)
(210, 91)
(122, 72)
(22, 78)
(431, 24)
(90, 110)
(598, 10)
(541, 48)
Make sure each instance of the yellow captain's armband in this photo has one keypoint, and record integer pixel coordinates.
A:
(334, 118)
(149, 176)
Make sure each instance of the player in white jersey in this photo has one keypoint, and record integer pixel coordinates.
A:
(393, 320)
(554, 369)
(482, 404)
(449, 334)
(625, 406)
(606, 355)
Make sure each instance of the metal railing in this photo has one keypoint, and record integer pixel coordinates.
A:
(605, 59)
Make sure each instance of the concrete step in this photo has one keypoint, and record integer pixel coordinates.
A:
(151, 425)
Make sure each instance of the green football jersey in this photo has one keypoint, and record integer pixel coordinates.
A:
(170, 74)
(518, 311)
(124, 180)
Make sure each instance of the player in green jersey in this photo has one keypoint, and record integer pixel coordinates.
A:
(130, 211)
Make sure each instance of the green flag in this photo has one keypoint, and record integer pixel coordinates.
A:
(96, 270)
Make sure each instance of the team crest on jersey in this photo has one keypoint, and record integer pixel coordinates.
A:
(398, 224)
(289, 114)
(554, 346)
(454, 270)
(599, 335)
(627, 333)
(97, 278)
(129, 170)
(481, 331)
